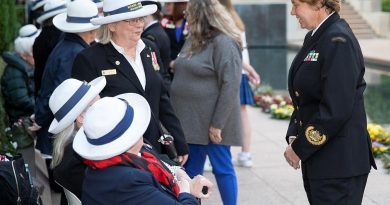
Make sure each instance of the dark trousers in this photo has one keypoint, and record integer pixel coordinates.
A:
(341, 191)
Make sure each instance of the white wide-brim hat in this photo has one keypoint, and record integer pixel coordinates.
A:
(112, 126)
(70, 99)
(77, 17)
(52, 8)
(28, 31)
(38, 4)
(115, 11)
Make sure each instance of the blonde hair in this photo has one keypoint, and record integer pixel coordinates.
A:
(207, 19)
(61, 140)
(104, 34)
(237, 20)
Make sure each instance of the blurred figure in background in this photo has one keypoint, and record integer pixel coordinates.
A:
(18, 91)
(205, 92)
(155, 32)
(175, 26)
(244, 158)
(48, 38)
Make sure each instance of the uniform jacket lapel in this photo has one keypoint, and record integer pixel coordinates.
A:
(146, 58)
(308, 44)
(124, 67)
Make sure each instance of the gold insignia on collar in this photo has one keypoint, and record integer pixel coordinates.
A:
(314, 136)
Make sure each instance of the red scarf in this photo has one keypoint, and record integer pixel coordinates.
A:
(148, 162)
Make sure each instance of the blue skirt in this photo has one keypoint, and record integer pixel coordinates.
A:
(246, 94)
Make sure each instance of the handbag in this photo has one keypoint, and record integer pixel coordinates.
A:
(16, 183)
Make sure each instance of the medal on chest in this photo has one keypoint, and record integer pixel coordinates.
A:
(312, 56)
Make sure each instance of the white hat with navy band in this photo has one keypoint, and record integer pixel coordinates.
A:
(38, 4)
(28, 31)
(115, 11)
(77, 17)
(70, 99)
(111, 126)
(52, 8)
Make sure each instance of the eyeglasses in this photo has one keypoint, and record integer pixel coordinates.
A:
(135, 20)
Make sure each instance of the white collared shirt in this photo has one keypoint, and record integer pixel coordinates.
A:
(321, 23)
(137, 65)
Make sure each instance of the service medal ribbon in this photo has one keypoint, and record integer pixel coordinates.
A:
(156, 66)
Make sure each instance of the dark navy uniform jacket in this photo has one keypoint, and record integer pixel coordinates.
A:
(326, 85)
(105, 60)
(157, 35)
(121, 185)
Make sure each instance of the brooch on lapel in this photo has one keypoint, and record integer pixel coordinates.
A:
(155, 64)
(312, 56)
(314, 136)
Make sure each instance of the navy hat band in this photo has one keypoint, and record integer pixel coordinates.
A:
(125, 9)
(118, 130)
(73, 19)
(29, 35)
(73, 100)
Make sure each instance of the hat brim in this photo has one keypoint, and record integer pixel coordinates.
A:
(45, 16)
(60, 22)
(136, 130)
(38, 5)
(144, 11)
(97, 85)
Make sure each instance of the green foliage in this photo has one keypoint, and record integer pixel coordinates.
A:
(8, 24)
(386, 5)
(377, 101)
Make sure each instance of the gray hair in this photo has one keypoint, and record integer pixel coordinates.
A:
(104, 34)
(23, 46)
(61, 140)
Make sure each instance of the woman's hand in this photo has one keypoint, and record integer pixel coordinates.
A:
(215, 135)
(197, 185)
(253, 76)
(183, 159)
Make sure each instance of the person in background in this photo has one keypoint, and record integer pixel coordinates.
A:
(155, 32)
(118, 170)
(328, 128)
(16, 82)
(18, 90)
(175, 25)
(69, 102)
(48, 38)
(131, 64)
(244, 158)
(78, 34)
(205, 92)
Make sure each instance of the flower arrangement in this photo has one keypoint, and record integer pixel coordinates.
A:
(380, 143)
(281, 110)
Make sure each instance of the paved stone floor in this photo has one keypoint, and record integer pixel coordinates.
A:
(271, 181)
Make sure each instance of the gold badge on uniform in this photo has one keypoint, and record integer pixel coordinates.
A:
(109, 72)
(314, 136)
(312, 56)
(156, 67)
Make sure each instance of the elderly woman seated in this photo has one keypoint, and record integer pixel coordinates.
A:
(119, 171)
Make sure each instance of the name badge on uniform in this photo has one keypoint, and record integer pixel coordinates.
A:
(109, 72)
(312, 56)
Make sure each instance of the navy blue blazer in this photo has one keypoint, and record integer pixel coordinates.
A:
(122, 185)
(104, 59)
(326, 85)
(58, 68)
